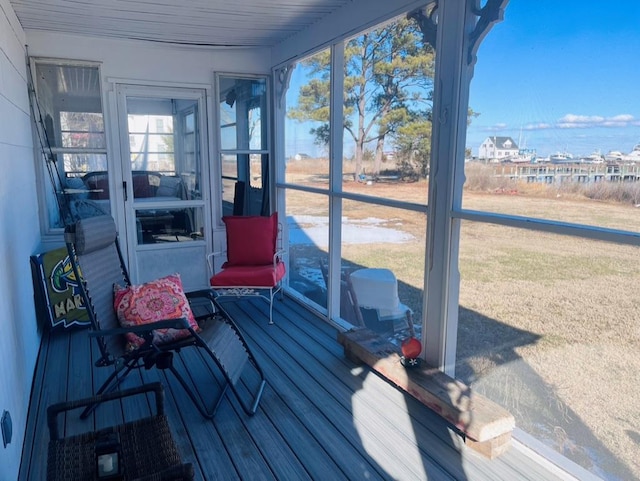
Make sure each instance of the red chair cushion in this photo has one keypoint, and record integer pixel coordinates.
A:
(251, 240)
(248, 276)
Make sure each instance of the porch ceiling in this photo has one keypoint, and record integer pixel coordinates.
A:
(244, 23)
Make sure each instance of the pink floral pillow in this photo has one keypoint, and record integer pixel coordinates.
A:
(157, 300)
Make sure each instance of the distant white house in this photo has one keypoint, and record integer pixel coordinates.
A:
(498, 148)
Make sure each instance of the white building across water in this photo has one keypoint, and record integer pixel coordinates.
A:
(498, 148)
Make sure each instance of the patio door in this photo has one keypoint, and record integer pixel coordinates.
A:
(165, 210)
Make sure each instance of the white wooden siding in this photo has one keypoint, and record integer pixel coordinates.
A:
(20, 238)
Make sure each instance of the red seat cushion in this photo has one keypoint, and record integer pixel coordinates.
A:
(248, 276)
(251, 240)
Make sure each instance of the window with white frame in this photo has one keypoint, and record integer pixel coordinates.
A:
(366, 177)
(71, 132)
(244, 147)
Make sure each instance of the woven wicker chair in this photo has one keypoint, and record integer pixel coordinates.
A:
(74, 457)
(97, 262)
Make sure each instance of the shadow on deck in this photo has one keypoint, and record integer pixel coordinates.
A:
(321, 415)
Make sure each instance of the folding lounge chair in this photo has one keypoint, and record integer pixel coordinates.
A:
(98, 265)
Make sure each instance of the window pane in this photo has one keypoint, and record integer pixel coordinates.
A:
(243, 106)
(70, 106)
(87, 198)
(243, 179)
(556, 132)
(228, 196)
(151, 142)
(382, 268)
(548, 328)
(190, 143)
(308, 227)
(230, 166)
(83, 140)
(86, 191)
(169, 225)
(307, 122)
(164, 150)
(388, 87)
(82, 130)
(75, 164)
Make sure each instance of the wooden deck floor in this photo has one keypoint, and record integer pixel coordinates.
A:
(321, 416)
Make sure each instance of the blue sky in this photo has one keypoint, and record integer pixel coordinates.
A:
(298, 140)
(555, 75)
(560, 75)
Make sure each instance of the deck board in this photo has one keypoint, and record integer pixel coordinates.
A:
(321, 415)
(398, 456)
(56, 363)
(34, 423)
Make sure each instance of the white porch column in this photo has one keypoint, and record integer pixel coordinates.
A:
(462, 25)
(451, 96)
(281, 77)
(335, 177)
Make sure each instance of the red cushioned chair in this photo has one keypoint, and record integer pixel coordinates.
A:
(254, 265)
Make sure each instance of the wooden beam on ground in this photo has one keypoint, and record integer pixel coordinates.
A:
(486, 426)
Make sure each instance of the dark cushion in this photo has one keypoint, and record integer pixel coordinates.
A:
(94, 233)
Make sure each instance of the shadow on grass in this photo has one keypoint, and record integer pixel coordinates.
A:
(488, 361)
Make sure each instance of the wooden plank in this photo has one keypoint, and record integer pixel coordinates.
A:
(133, 407)
(377, 415)
(34, 430)
(107, 414)
(476, 416)
(53, 390)
(491, 448)
(240, 445)
(270, 435)
(388, 450)
(276, 421)
(213, 459)
(275, 409)
(307, 402)
(180, 433)
(433, 436)
(236, 440)
(79, 383)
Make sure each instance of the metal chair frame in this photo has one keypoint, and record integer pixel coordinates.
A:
(93, 250)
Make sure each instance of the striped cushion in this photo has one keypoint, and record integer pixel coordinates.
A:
(94, 233)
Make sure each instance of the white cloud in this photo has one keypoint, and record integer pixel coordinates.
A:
(568, 122)
(572, 121)
(622, 118)
(538, 126)
(496, 127)
(581, 119)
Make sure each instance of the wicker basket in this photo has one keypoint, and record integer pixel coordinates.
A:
(147, 448)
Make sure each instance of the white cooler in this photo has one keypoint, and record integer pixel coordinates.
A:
(378, 289)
